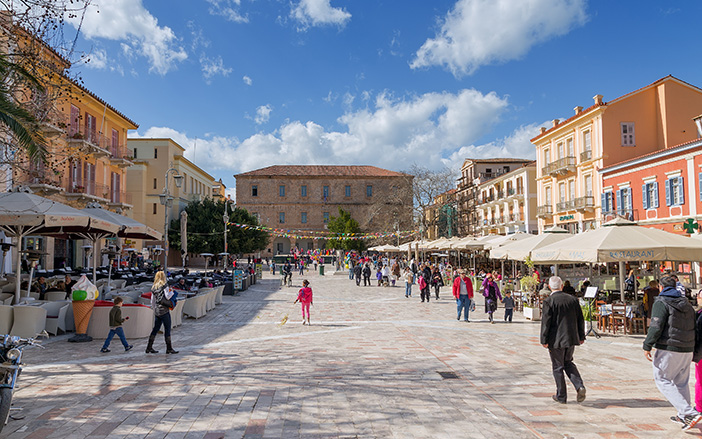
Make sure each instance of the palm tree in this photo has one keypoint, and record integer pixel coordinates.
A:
(17, 119)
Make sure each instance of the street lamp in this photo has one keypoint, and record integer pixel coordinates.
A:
(225, 218)
(167, 201)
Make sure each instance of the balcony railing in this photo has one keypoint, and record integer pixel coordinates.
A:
(96, 145)
(564, 206)
(559, 167)
(40, 181)
(88, 189)
(586, 155)
(514, 191)
(544, 211)
(120, 199)
(584, 203)
(121, 155)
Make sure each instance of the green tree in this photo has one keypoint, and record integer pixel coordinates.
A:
(206, 229)
(345, 224)
(19, 122)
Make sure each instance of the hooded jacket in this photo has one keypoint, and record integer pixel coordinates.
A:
(672, 323)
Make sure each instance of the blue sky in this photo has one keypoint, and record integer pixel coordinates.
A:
(243, 84)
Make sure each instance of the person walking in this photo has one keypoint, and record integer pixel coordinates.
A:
(437, 281)
(463, 293)
(672, 334)
(395, 273)
(357, 273)
(423, 283)
(366, 275)
(562, 329)
(509, 306)
(697, 355)
(161, 303)
(304, 296)
(491, 292)
(116, 321)
(409, 279)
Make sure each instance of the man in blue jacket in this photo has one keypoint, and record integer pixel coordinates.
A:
(672, 334)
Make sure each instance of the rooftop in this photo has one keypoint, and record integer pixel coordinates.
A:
(320, 171)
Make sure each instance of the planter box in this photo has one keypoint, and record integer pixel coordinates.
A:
(532, 313)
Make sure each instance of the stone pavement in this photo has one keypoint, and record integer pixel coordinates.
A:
(370, 366)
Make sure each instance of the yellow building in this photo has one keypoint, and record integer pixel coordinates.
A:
(570, 153)
(156, 162)
(87, 153)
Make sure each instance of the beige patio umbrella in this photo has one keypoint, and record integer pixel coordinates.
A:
(521, 249)
(22, 214)
(621, 241)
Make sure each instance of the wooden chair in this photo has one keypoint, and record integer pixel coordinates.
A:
(618, 319)
(602, 320)
(637, 321)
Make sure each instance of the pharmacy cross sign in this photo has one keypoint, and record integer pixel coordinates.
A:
(690, 225)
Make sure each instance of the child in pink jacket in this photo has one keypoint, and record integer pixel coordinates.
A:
(304, 296)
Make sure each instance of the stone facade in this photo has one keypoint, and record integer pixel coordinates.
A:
(306, 197)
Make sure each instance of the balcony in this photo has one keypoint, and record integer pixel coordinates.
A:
(559, 167)
(53, 127)
(121, 200)
(94, 145)
(514, 192)
(565, 206)
(88, 191)
(586, 156)
(584, 204)
(41, 182)
(545, 211)
(516, 218)
(121, 156)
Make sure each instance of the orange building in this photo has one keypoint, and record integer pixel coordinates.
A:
(571, 153)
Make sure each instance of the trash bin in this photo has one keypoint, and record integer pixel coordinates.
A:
(228, 288)
(321, 270)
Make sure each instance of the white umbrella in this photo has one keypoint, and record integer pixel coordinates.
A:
(467, 243)
(521, 249)
(499, 240)
(621, 241)
(22, 213)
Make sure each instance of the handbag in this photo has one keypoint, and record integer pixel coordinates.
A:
(165, 301)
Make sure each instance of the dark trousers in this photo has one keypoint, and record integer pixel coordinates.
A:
(358, 280)
(366, 281)
(562, 361)
(436, 290)
(425, 293)
(166, 321)
(508, 314)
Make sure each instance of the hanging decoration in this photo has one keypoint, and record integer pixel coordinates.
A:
(312, 234)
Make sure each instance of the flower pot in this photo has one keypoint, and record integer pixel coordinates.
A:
(532, 313)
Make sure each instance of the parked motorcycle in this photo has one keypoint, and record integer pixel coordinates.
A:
(10, 368)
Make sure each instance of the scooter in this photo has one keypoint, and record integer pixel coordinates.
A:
(10, 368)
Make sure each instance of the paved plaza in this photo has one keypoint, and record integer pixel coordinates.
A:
(373, 364)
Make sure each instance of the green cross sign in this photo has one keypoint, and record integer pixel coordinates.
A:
(690, 225)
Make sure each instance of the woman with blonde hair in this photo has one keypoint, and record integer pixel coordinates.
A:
(161, 304)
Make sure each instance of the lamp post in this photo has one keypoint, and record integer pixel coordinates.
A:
(167, 201)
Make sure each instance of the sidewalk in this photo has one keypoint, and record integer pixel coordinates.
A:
(372, 365)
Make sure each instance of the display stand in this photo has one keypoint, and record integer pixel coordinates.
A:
(591, 295)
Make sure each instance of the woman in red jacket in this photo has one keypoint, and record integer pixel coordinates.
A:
(463, 292)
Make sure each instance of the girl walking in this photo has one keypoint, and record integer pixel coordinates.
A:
(304, 296)
(491, 292)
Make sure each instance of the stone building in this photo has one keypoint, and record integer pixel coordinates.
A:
(297, 197)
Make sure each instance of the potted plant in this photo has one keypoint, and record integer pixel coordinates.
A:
(528, 285)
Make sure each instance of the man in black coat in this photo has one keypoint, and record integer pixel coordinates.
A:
(562, 329)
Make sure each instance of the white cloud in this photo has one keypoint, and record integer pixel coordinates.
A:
(481, 32)
(394, 133)
(97, 59)
(263, 114)
(138, 31)
(247, 80)
(213, 67)
(229, 9)
(318, 13)
(516, 145)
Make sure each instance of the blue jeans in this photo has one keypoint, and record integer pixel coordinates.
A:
(463, 302)
(120, 333)
(408, 289)
(164, 320)
(350, 273)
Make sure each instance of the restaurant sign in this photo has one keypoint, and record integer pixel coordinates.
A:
(566, 217)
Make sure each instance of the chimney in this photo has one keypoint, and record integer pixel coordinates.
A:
(598, 99)
(578, 109)
(698, 124)
(555, 122)
(543, 130)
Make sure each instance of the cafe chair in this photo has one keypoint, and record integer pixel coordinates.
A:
(618, 319)
(28, 321)
(6, 319)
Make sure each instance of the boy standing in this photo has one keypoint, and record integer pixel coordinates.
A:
(509, 306)
(116, 321)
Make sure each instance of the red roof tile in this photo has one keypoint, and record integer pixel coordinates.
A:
(320, 171)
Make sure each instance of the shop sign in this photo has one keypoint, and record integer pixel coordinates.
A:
(566, 217)
(690, 225)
